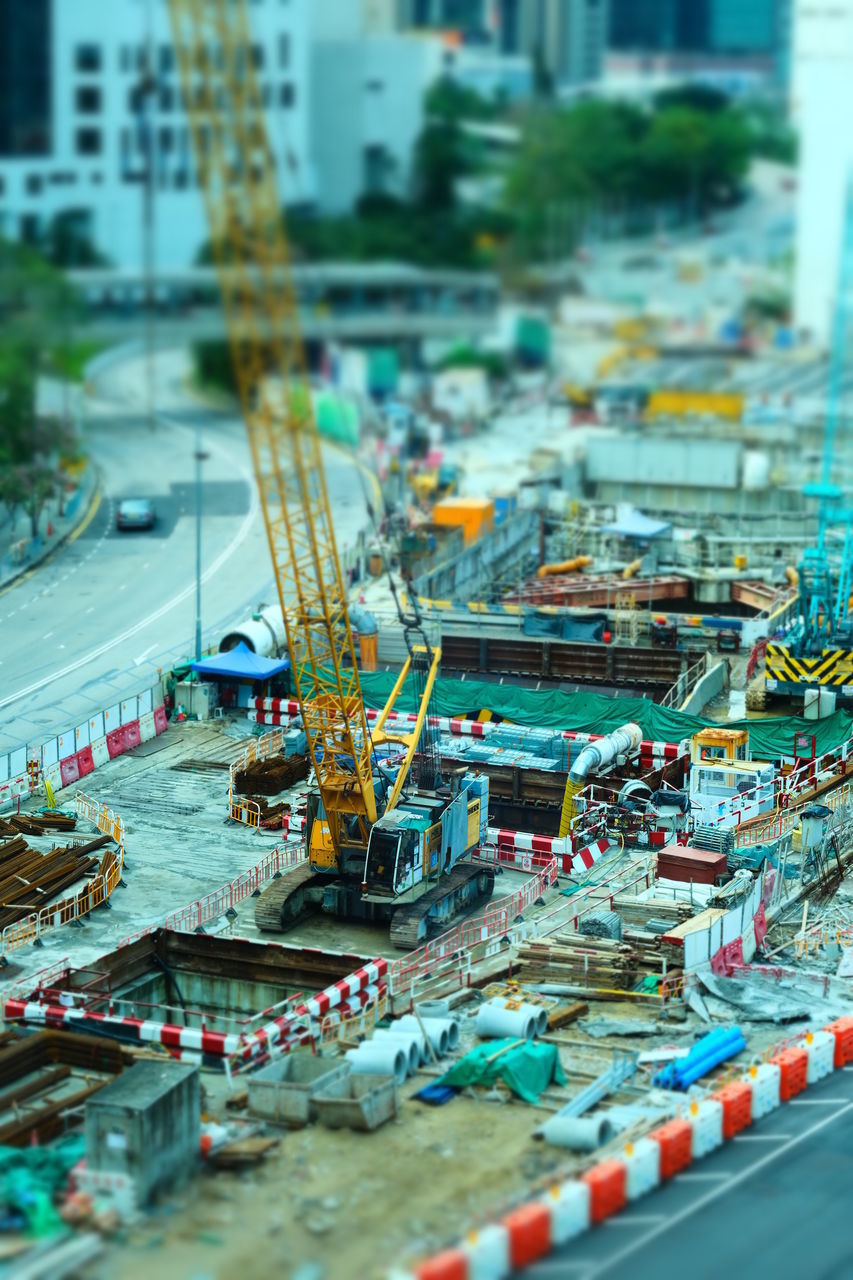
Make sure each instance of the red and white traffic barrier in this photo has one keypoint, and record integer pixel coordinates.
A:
(531, 1231)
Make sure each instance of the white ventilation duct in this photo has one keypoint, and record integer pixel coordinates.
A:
(625, 741)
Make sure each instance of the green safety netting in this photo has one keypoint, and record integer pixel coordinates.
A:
(30, 1178)
(586, 712)
(336, 417)
(526, 1068)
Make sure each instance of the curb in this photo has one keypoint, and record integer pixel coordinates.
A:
(533, 1229)
(88, 509)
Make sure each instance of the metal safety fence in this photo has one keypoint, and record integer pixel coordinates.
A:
(76, 906)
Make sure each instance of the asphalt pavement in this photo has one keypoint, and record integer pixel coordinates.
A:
(773, 1201)
(111, 603)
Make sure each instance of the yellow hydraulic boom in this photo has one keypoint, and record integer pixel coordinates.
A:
(237, 176)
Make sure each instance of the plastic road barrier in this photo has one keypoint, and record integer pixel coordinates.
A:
(736, 1100)
(794, 1065)
(675, 1139)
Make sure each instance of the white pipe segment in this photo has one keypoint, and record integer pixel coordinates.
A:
(540, 1012)
(263, 633)
(407, 1042)
(443, 1033)
(499, 1020)
(578, 1133)
(625, 741)
(381, 1058)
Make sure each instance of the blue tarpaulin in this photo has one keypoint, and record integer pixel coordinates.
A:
(241, 663)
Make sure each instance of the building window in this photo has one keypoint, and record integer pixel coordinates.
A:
(257, 57)
(87, 57)
(34, 184)
(88, 142)
(125, 58)
(374, 86)
(284, 51)
(166, 139)
(88, 100)
(287, 95)
(167, 98)
(167, 57)
(97, 179)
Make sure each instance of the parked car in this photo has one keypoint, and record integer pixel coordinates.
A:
(136, 513)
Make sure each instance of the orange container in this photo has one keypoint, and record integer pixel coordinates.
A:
(794, 1065)
(475, 516)
(606, 1182)
(675, 1139)
(842, 1029)
(737, 1106)
(451, 1264)
(529, 1230)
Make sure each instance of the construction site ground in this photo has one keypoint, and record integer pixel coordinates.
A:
(416, 1183)
(172, 794)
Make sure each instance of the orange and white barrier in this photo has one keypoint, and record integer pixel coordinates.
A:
(531, 1231)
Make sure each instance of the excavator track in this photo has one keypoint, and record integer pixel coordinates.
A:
(283, 904)
(468, 883)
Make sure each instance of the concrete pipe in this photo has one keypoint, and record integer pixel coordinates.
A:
(443, 1033)
(495, 1021)
(539, 1011)
(578, 1133)
(412, 1045)
(381, 1058)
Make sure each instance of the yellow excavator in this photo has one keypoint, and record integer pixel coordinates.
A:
(386, 838)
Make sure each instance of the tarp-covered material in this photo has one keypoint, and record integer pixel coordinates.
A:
(587, 712)
(633, 524)
(240, 663)
(563, 627)
(30, 1177)
(527, 1068)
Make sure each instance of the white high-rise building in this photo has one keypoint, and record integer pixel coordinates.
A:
(822, 102)
(87, 157)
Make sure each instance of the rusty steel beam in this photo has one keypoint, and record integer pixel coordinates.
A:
(757, 595)
(582, 590)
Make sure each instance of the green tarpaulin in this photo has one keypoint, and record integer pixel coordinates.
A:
(527, 1068)
(30, 1177)
(587, 712)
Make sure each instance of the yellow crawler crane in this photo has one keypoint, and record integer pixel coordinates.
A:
(379, 848)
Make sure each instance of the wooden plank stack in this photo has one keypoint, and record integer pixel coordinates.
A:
(580, 962)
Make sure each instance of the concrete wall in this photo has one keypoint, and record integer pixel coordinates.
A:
(462, 577)
(712, 683)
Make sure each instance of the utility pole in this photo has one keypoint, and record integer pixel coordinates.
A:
(147, 90)
(200, 456)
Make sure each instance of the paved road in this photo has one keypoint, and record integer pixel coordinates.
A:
(774, 1202)
(110, 602)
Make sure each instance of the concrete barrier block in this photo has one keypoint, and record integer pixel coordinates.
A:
(69, 771)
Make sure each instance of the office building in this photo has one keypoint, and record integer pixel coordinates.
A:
(822, 101)
(76, 129)
(570, 36)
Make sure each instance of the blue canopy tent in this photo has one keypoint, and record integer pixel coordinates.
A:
(637, 526)
(240, 673)
(241, 663)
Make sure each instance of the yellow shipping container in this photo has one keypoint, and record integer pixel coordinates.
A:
(475, 516)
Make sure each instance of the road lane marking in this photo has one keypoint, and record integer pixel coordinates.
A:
(212, 569)
(47, 637)
(816, 1102)
(761, 1137)
(716, 1193)
(635, 1220)
(694, 1176)
(144, 655)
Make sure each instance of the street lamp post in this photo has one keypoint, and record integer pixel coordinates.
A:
(200, 456)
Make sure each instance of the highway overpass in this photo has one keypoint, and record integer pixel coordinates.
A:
(355, 302)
